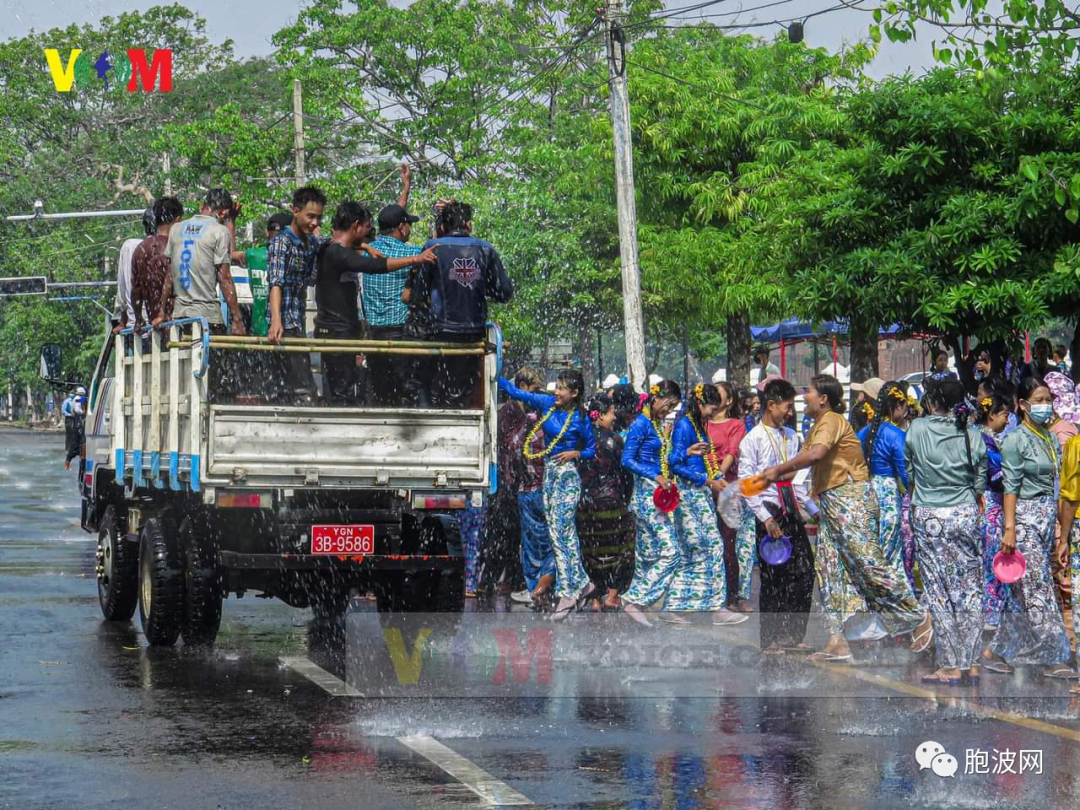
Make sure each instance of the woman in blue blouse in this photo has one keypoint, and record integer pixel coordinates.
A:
(992, 417)
(883, 447)
(569, 437)
(700, 583)
(657, 555)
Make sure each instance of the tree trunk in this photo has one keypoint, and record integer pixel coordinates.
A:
(588, 359)
(738, 346)
(1074, 353)
(864, 350)
(686, 356)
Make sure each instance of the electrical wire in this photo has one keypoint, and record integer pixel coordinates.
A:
(697, 86)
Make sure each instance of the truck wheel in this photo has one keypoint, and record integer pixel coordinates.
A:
(117, 569)
(202, 583)
(161, 582)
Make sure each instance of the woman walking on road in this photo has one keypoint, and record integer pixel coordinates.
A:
(727, 429)
(700, 584)
(570, 436)
(946, 462)
(992, 419)
(848, 507)
(883, 447)
(1031, 630)
(657, 555)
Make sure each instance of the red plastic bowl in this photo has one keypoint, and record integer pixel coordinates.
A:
(666, 500)
(1009, 568)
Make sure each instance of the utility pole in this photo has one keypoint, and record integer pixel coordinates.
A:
(633, 320)
(166, 168)
(298, 131)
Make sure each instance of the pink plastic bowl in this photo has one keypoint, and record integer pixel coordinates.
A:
(1009, 568)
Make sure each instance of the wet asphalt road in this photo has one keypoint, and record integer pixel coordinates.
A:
(91, 717)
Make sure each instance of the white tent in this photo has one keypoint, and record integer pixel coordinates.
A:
(838, 370)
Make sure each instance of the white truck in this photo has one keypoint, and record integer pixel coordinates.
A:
(196, 494)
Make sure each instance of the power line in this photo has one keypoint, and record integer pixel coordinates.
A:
(697, 86)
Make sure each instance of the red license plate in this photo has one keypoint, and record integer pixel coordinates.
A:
(342, 539)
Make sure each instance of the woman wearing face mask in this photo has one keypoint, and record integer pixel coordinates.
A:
(947, 466)
(657, 553)
(992, 417)
(1031, 630)
(850, 511)
(700, 584)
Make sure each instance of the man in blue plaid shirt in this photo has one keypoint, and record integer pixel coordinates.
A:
(385, 310)
(290, 269)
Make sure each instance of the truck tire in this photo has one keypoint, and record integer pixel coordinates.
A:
(161, 582)
(202, 583)
(117, 568)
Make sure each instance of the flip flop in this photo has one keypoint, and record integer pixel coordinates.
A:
(942, 681)
(675, 619)
(999, 667)
(917, 643)
(821, 655)
(1062, 674)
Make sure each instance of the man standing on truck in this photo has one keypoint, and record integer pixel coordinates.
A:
(150, 263)
(290, 269)
(337, 289)
(385, 308)
(124, 302)
(198, 251)
(467, 273)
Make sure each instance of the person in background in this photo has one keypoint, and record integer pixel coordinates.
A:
(700, 584)
(1063, 426)
(841, 482)
(150, 263)
(1031, 630)
(767, 368)
(864, 397)
(992, 417)
(571, 438)
(627, 403)
(128, 316)
(290, 270)
(750, 407)
(1040, 364)
(999, 386)
(604, 523)
(940, 361)
(1070, 500)
(787, 589)
(1060, 353)
(73, 410)
(946, 461)
(883, 447)
(337, 288)
(524, 475)
(726, 431)
(466, 275)
(646, 454)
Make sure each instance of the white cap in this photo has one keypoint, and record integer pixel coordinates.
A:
(80, 390)
(655, 379)
(610, 381)
(720, 375)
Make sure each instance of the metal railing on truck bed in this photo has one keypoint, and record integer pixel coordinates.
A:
(168, 431)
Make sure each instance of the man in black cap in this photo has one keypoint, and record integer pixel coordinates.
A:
(384, 308)
(277, 223)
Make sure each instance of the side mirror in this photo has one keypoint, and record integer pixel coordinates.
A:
(51, 361)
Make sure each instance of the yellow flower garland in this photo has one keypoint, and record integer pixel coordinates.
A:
(525, 451)
(710, 467)
(665, 450)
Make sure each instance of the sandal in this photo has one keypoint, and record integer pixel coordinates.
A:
(998, 667)
(1062, 674)
(821, 655)
(942, 681)
(921, 642)
(676, 619)
(636, 613)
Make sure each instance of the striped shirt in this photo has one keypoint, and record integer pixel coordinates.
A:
(382, 293)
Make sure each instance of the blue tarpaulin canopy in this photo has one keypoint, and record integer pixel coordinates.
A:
(794, 329)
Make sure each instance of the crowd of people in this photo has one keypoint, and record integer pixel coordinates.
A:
(662, 505)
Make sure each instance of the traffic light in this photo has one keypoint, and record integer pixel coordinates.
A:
(27, 285)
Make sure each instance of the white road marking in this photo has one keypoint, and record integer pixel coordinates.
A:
(317, 675)
(491, 791)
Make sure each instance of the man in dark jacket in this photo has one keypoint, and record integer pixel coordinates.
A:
(468, 273)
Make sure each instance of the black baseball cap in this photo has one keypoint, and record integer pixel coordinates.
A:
(394, 216)
(279, 222)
